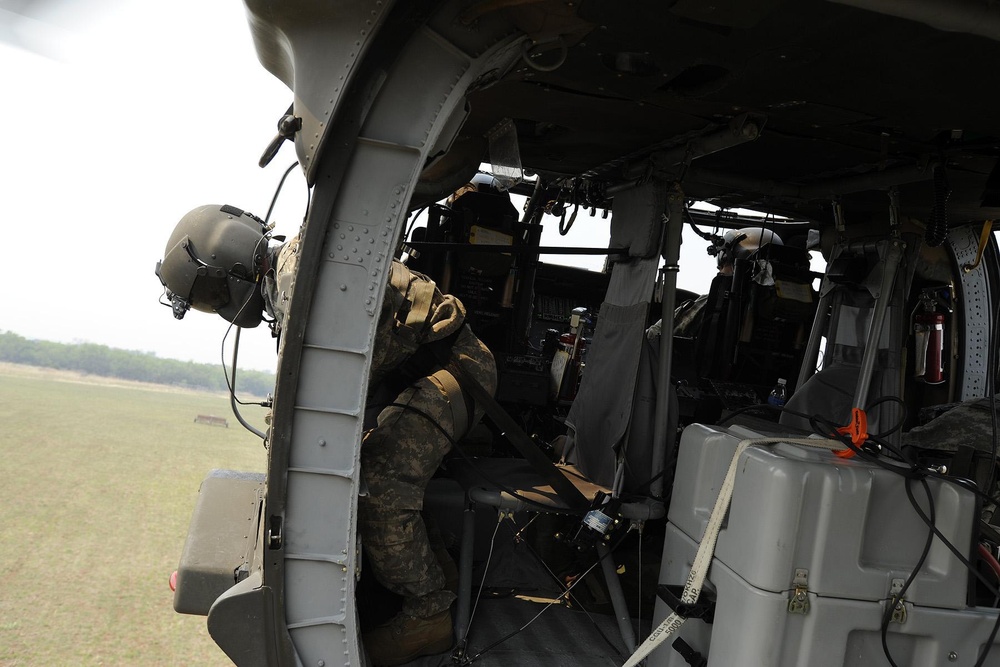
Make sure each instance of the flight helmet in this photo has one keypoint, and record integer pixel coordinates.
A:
(214, 262)
(740, 243)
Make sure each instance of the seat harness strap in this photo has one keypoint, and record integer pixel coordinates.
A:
(415, 313)
(461, 416)
(564, 488)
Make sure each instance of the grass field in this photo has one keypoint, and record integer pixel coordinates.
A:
(98, 480)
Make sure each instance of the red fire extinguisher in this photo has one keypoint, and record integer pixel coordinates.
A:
(928, 328)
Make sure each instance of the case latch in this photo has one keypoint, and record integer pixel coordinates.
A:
(798, 602)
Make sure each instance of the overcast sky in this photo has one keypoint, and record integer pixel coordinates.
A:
(137, 113)
(118, 118)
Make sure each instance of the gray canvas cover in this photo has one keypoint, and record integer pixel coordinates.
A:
(601, 412)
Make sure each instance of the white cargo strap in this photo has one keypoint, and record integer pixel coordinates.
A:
(706, 550)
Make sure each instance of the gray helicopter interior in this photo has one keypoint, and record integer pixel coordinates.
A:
(870, 134)
(722, 375)
(524, 560)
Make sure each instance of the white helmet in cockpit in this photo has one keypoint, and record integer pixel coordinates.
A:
(740, 243)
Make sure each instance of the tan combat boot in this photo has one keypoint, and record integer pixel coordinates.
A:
(407, 637)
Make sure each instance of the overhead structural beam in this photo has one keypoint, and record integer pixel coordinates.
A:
(878, 180)
(975, 17)
(740, 130)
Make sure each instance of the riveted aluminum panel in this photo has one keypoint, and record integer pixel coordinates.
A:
(328, 442)
(328, 579)
(317, 528)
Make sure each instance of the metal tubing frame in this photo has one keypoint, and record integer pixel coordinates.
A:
(811, 355)
(671, 256)
(618, 602)
(894, 254)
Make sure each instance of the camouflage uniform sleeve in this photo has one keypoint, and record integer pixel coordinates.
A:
(447, 316)
(279, 282)
(445, 313)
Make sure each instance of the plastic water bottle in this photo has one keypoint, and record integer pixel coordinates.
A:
(779, 394)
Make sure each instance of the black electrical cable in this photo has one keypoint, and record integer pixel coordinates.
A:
(889, 399)
(913, 471)
(897, 599)
(648, 482)
(828, 429)
(990, 588)
(564, 227)
(472, 464)
(705, 235)
(277, 191)
(973, 569)
(231, 383)
(909, 474)
(814, 419)
(232, 393)
(968, 485)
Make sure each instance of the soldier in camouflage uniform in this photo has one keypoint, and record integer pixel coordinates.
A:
(421, 409)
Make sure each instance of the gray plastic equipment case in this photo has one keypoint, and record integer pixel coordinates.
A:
(843, 530)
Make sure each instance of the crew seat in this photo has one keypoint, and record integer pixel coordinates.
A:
(848, 302)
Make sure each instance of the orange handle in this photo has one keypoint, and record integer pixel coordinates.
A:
(857, 429)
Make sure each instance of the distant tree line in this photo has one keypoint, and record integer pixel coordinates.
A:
(127, 364)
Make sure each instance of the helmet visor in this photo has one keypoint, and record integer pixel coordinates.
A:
(202, 285)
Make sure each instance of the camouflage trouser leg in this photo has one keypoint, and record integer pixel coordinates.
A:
(398, 458)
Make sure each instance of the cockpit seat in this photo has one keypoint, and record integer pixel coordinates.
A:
(753, 323)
